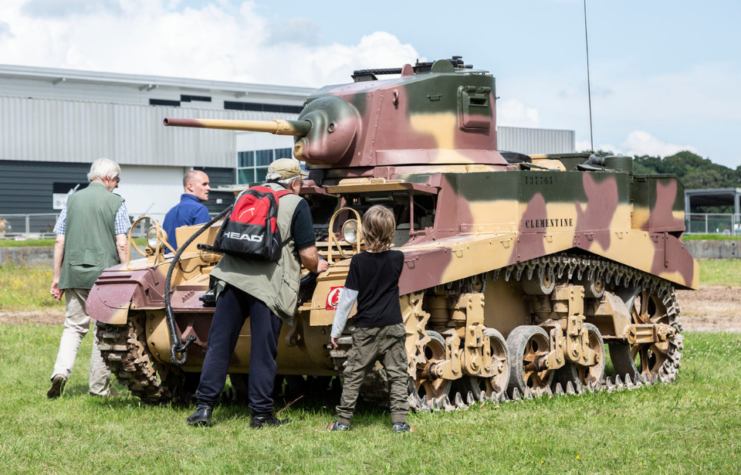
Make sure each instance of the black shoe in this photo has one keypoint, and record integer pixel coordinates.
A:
(57, 386)
(335, 426)
(202, 416)
(400, 427)
(258, 422)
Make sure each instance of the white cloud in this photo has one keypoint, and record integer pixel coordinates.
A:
(643, 143)
(514, 113)
(216, 41)
(638, 142)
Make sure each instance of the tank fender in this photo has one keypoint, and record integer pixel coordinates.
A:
(115, 292)
(110, 303)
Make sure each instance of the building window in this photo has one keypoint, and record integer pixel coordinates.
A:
(259, 107)
(163, 102)
(189, 98)
(252, 166)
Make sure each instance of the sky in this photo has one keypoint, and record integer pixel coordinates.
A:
(665, 75)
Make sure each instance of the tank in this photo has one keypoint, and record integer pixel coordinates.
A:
(522, 273)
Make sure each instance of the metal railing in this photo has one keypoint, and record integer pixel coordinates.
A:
(713, 223)
(41, 225)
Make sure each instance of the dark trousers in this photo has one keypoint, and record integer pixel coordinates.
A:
(232, 308)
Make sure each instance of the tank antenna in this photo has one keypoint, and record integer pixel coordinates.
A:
(589, 85)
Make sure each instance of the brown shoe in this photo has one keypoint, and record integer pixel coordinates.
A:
(57, 386)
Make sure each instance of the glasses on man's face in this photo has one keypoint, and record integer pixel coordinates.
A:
(118, 179)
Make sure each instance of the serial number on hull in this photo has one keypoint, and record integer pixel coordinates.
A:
(538, 180)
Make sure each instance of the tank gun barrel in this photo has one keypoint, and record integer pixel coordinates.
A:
(277, 127)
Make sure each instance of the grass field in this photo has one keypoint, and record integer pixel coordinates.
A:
(709, 237)
(720, 272)
(26, 288)
(46, 242)
(691, 426)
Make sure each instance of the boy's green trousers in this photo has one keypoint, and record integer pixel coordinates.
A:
(384, 344)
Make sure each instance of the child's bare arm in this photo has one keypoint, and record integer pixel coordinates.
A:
(347, 300)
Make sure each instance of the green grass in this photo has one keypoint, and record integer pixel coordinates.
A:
(26, 288)
(27, 243)
(46, 242)
(691, 426)
(720, 272)
(709, 237)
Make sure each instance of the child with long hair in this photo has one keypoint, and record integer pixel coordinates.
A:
(379, 335)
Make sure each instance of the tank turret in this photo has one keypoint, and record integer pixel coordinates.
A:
(441, 113)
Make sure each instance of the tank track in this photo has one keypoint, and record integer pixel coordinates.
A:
(124, 349)
(572, 266)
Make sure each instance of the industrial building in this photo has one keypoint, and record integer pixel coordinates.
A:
(55, 122)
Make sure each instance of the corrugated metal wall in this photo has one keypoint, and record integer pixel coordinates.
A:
(535, 141)
(79, 132)
(27, 187)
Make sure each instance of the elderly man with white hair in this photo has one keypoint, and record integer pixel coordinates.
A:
(91, 236)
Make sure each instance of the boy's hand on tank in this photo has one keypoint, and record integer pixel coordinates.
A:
(322, 266)
(334, 342)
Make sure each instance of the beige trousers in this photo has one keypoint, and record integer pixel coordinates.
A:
(76, 326)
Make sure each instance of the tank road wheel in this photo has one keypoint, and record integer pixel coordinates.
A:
(437, 388)
(500, 358)
(526, 345)
(572, 373)
(649, 359)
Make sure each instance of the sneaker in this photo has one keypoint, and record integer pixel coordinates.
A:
(337, 426)
(400, 427)
(57, 386)
(258, 422)
(202, 416)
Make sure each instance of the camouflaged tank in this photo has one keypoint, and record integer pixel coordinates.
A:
(518, 269)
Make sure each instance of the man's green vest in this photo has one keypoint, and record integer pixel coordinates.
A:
(275, 283)
(89, 236)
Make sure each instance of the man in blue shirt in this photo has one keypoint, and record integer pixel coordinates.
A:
(189, 211)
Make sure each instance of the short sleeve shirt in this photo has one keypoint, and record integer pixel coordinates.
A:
(375, 275)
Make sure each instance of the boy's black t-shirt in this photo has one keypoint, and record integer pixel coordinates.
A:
(375, 275)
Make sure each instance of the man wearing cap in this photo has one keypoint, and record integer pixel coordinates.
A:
(265, 291)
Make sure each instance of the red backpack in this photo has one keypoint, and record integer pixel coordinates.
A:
(250, 230)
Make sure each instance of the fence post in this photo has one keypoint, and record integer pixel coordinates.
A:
(28, 224)
(706, 223)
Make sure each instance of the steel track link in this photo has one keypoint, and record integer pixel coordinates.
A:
(575, 267)
(124, 349)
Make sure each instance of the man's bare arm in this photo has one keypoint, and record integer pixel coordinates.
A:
(58, 259)
(310, 259)
(122, 246)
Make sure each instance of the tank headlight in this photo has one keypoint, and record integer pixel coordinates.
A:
(152, 237)
(350, 231)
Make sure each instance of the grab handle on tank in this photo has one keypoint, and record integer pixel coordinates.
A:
(179, 346)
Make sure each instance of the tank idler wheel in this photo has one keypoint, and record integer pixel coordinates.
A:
(527, 345)
(572, 373)
(436, 388)
(641, 358)
(541, 282)
(499, 383)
